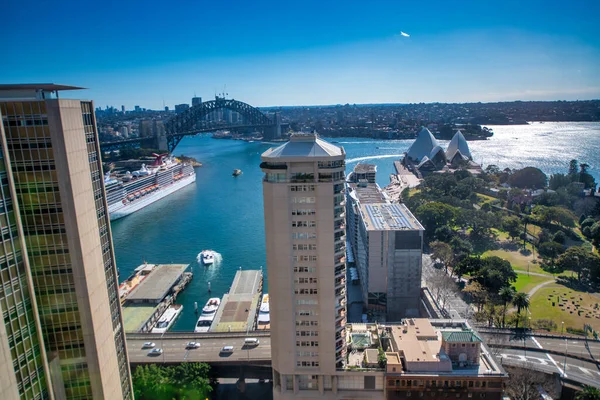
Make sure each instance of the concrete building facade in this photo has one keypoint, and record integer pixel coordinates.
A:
(387, 242)
(303, 191)
(64, 334)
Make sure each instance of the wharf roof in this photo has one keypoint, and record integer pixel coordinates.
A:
(239, 307)
(388, 217)
(461, 337)
(37, 86)
(136, 315)
(303, 145)
(158, 283)
(365, 168)
(371, 193)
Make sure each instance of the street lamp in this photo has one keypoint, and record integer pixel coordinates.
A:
(566, 349)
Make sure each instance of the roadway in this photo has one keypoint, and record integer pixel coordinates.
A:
(174, 351)
(568, 368)
(567, 345)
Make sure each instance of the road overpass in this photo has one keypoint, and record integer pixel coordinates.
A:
(545, 354)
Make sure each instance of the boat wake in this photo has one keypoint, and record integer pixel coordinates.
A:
(351, 160)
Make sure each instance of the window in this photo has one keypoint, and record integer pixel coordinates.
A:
(302, 188)
(303, 200)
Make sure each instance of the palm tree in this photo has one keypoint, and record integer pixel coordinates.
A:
(588, 393)
(521, 301)
(506, 294)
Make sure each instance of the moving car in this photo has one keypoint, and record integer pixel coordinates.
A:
(148, 345)
(192, 345)
(155, 352)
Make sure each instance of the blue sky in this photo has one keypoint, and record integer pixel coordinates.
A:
(306, 52)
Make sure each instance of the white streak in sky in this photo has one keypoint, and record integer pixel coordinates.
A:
(404, 34)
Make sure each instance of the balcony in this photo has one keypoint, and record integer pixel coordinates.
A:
(340, 283)
(340, 272)
(340, 260)
(339, 227)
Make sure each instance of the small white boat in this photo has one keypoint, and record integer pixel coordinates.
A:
(208, 315)
(207, 256)
(237, 172)
(167, 319)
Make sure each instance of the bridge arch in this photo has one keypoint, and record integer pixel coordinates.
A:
(187, 123)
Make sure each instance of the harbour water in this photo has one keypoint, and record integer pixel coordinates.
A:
(225, 213)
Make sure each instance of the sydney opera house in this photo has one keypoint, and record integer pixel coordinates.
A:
(426, 155)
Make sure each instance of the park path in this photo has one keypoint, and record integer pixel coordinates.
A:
(538, 287)
(518, 271)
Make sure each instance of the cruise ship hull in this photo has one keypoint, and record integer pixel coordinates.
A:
(120, 210)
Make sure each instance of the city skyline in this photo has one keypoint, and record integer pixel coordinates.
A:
(271, 54)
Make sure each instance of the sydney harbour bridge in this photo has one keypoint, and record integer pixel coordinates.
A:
(197, 119)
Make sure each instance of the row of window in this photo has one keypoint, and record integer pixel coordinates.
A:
(304, 247)
(307, 323)
(307, 343)
(304, 258)
(307, 363)
(307, 353)
(307, 333)
(440, 383)
(306, 291)
(304, 224)
(304, 212)
(305, 269)
(303, 200)
(304, 235)
(306, 313)
(302, 188)
(305, 280)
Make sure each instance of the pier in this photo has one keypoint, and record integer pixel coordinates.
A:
(239, 307)
(156, 291)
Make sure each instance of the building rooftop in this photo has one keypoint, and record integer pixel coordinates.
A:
(158, 283)
(304, 145)
(136, 315)
(239, 307)
(365, 168)
(461, 337)
(369, 194)
(37, 86)
(389, 217)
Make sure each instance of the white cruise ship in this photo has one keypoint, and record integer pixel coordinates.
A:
(130, 192)
(208, 315)
(167, 319)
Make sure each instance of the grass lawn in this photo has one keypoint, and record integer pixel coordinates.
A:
(541, 307)
(483, 198)
(526, 282)
(517, 260)
(501, 235)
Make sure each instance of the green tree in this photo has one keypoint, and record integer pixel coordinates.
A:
(506, 295)
(443, 252)
(588, 393)
(495, 273)
(573, 166)
(184, 381)
(521, 301)
(550, 250)
(528, 177)
(435, 214)
(559, 237)
(558, 181)
(512, 225)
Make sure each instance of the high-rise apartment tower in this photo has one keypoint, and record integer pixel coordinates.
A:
(62, 331)
(303, 191)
